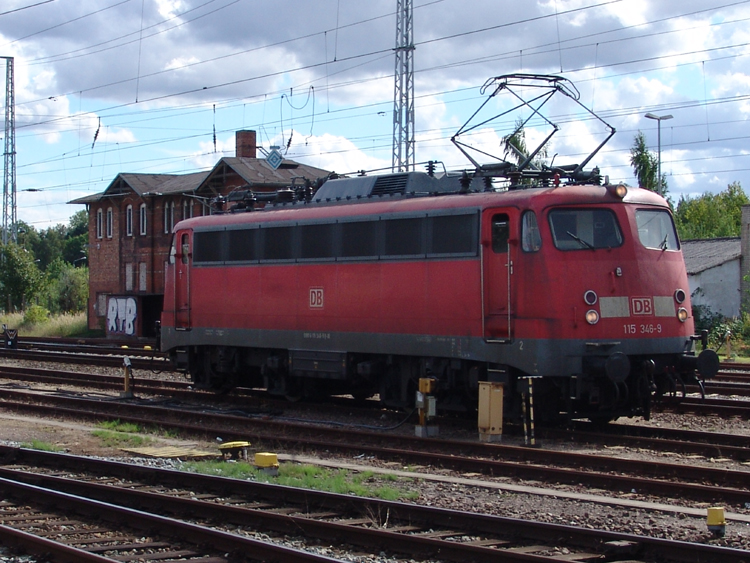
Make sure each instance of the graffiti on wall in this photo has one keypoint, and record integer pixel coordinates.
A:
(121, 315)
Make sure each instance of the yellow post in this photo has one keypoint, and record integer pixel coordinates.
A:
(490, 420)
(715, 521)
(427, 406)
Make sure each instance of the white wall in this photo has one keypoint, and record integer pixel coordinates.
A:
(720, 288)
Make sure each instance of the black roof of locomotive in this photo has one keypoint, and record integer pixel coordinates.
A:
(402, 183)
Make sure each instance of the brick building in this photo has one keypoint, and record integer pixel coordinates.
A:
(131, 223)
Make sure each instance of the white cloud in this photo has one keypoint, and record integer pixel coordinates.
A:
(334, 153)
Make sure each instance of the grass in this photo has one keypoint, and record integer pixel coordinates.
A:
(74, 324)
(118, 426)
(116, 434)
(364, 484)
(112, 439)
(42, 446)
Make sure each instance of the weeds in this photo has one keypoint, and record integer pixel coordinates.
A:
(74, 324)
(365, 484)
(112, 439)
(42, 446)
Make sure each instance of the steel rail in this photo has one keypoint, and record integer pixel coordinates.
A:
(489, 459)
(222, 542)
(349, 508)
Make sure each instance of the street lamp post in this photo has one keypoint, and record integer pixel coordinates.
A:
(659, 119)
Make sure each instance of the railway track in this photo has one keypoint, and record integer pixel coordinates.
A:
(67, 527)
(732, 380)
(615, 474)
(690, 442)
(320, 518)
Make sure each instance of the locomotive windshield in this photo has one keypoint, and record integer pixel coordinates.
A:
(656, 229)
(584, 229)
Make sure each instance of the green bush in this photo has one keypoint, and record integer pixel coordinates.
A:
(718, 326)
(35, 315)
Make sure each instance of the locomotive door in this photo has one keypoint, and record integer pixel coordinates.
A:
(497, 266)
(182, 281)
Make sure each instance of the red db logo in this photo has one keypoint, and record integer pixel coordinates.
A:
(316, 297)
(642, 305)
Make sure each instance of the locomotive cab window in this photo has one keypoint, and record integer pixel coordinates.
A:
(584, 229)
(500, 233)
(656, 229)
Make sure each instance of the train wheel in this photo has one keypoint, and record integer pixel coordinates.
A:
(294, 390)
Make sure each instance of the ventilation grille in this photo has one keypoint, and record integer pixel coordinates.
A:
(393, 184)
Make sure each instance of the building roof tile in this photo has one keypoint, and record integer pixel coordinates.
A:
(702, 255)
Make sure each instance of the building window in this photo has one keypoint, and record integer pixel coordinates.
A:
(129, 220)
(129, 276)
(101, 304)
(187, 209)
(143, 218)
(141, 276)
(168, 217)
(109, 222)
(99, 221)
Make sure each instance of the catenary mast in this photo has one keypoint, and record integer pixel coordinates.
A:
(10, 227)
(403, 97)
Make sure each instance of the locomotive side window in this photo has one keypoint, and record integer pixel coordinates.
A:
(404, 237)
(531, 240)
(656, 229)
(316, 241)
(359, 239)
(242, 245)
(439, 236)
(500, 233)
(453, 234)
(584, 229)
(277, 243)
(208, 246)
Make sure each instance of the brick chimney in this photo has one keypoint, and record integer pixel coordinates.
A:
(245, 144)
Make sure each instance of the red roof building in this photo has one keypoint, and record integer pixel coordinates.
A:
(131, 223)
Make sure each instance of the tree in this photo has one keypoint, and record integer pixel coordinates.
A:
(711, 215)
(77, 238)
(515, 147)
(20, 279)
(646, 166)
(72, 289)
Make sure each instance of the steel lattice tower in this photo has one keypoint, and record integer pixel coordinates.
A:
(403, 96)
(10, 227)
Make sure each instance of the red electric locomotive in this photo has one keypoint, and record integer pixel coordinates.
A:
(377, 281)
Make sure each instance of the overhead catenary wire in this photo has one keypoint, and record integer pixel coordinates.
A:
(178, 108)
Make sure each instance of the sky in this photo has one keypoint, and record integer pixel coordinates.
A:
(104, 87)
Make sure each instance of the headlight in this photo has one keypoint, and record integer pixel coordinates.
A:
(682, 314)
(590, 297)
(620, 190)
(679, 296)
(592, 317)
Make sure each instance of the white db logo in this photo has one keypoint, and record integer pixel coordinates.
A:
(316, 297)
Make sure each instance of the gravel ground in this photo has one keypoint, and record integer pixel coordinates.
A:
(452, 491)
